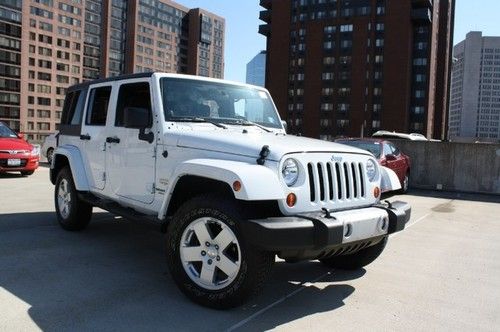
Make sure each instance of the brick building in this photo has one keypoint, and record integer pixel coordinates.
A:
(352, 67)
(47, 45)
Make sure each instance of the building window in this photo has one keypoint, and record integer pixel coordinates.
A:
(346, 28)
(327, 76)
(419, 94)
(327, 107)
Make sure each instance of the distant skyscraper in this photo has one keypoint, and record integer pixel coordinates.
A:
(256, 70)
(475, 88)
(352, 67)
(48, 45)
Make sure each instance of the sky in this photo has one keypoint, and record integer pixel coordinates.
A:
(242, 22)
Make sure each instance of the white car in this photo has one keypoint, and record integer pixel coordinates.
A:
(49, 145)
(209, 161)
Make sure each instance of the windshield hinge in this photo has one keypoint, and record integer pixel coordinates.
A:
(264, 153)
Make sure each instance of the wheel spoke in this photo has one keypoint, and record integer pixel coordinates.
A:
(207, 273)
(201, 231)
(191, 254)
(227, 266)
(224, 238)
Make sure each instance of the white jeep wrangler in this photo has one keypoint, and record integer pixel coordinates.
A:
(210, 162)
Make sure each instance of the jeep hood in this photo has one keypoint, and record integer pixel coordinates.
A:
(250, 144)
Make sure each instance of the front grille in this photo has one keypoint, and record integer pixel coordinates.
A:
(3, 163)
(336, 181)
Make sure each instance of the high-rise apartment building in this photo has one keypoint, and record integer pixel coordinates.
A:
(47, 45)
(256, 70)
(352, 67)
(475, 88)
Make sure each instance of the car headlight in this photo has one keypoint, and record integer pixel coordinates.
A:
(290, 171)
(35, 151)
(371, 170)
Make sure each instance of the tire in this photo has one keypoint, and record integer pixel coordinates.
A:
(358, 259)
(73, 214)
(27, 173)
(50, 154)
(216, 277)
(405, 184)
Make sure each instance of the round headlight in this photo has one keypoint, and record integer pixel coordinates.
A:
(371, 170)
(290, 172)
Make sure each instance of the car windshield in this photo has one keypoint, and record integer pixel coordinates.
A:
(6, 131)
(373, 147)
(198, 101)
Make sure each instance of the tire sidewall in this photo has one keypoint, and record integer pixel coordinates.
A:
(64, 174)
(224, 212)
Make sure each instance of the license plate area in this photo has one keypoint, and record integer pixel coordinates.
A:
(13, 162)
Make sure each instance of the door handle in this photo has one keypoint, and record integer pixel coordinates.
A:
(85, 137)
(112, 140)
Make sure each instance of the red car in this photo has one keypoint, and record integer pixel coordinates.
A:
(17, 155)
(387, 154)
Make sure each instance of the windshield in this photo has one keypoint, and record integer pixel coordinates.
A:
(6, 131)
(373, 147)
(216, 102)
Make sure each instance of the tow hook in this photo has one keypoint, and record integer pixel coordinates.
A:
(328, 214)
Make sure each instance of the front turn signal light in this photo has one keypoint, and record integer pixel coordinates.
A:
(236, 186)
(376, 192)
(291, 200)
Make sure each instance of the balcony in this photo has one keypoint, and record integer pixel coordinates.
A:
(265, 29)
(421, 15)
(265, 15)
(268, 4)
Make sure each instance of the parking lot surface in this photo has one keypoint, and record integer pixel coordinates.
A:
(441, 273)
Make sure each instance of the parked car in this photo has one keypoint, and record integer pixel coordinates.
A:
(396, 135)
(17, 155)
(387, 154)
(209, 161)
(49, 145)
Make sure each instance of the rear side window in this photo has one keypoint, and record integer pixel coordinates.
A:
(132, 95)
(98, 106)
(73, 108)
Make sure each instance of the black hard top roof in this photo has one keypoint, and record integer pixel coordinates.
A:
(84, 85)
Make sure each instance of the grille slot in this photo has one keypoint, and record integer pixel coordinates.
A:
(336, 181)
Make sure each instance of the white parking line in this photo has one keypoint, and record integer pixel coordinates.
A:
(263, 310)
(418, 220)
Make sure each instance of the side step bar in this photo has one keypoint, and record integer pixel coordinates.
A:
(119, 210)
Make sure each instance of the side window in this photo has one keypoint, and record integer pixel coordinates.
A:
(79, 104)
(98, 106)
(69, 107)
(135, 95)
(395, 150)
(387, 149)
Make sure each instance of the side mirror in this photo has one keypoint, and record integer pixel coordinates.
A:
(285, 125)
(137, 118)
(20, 135)
(390, 157)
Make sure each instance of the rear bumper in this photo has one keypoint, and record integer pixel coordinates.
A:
(316, 231)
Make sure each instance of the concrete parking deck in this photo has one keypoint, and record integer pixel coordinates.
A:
(441, 273)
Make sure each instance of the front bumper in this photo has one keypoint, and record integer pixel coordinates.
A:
(317, 231)
(26, 164)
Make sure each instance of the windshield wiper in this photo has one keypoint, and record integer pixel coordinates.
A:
(196, 119)
(250, 123)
